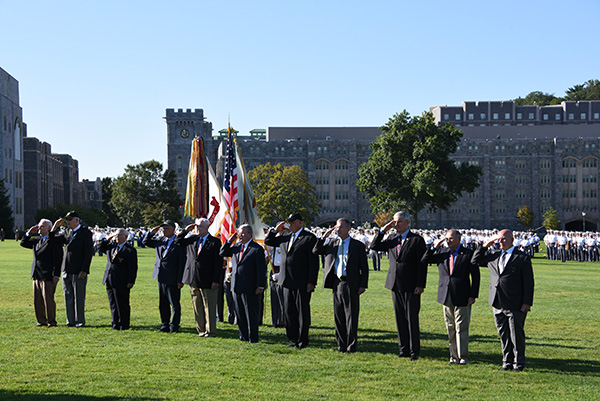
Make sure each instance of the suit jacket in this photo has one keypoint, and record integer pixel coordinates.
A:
(121, 266)
(169, 266)
(464, 281)
(250, 272)
(78, 251)
(299, 265)
(47, 257)
(357, 267)
(201, 270)
(514, 287)
(407, 271)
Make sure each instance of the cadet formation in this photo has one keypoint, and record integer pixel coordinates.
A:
(238, 272)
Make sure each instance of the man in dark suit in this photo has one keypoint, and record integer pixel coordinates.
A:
(406, 279)
(77, 258)
(45, 271)
(511, 295)
(203, 270)
(347, 274)
(298, 274)
(458, 287)
(248, 280)
(168, 269)
(119, 276)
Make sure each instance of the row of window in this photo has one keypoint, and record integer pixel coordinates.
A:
(519, 116)
(586, 193)
(586, 163)
(324, 165)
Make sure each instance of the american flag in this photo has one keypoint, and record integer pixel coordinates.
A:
(230, 190)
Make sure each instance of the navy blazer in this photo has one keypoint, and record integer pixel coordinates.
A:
(121, 266)
(79, 249)
(201, 270)
(407, 271)
(168, 268)
(47, 257)
(464, 281)
(357, 267)
(299, 265)
(250, 272)
(514, 287)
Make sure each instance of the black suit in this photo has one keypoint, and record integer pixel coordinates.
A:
(247, 274)
(121, 269)
(77, 257)
(168, 269)
(47, 258)
(454, 290)
(406, 273)
(345, 288)
(202, 269)
(509, 291)
(299, 267)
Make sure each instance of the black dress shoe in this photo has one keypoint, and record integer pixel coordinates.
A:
(174, 330)
(163, 329)
(292, 345)
(519, 368)
(403, 355)
(414, 358)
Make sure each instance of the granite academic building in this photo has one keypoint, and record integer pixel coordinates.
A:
(535, 156)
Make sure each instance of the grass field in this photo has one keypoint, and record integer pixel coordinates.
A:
(97, 363)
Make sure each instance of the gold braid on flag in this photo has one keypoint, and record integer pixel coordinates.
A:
(196, 197)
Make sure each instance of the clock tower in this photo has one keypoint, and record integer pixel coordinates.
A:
(182, 127)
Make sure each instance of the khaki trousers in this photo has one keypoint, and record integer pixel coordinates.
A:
(204, 301)
(457, 320)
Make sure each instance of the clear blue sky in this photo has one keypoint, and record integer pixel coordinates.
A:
(96, 76)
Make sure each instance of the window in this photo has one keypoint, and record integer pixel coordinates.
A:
(473, 163)
(545, 194)
(589, 162)
(557, 116)
(520, 164)
(500, 209)
(500, 163)
(544, 179)
(507, 116)
(446, 117)
(596, 116)
(546, 117)
(583, 116)
(571, 116)
(519, 116)
(458, 117)
(521, 179)
(500, 179)
(572, 163)
(482, 116)
(495, 116)
(471, 116)
(532, 116)
(520, 194)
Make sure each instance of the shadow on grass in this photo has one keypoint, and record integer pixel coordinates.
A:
(21, 396)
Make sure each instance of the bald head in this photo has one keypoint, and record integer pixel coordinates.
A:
(505, 237)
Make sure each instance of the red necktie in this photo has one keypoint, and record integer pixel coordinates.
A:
(199, 247)
(451, 261)
(399, 246)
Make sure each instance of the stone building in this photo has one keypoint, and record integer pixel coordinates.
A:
(12, 131)
(535, 156)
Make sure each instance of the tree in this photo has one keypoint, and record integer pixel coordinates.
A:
(153, 213)
(281, 190)
(590, 90)
(410, 168)
(538, 98)
(91, 217)
(111, 218)
(551, 221)
(525, 217)
(143, 185)
(7, 219)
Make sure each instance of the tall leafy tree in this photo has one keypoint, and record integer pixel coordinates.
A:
(410, 167)
(551, 221)
(91, 217)
(525, 217)
(281, 190)
(111, 218)
(589, 90)
(140, 186)
(7, 219)
(538, 98)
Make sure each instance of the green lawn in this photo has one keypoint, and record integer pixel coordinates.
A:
(95, 362)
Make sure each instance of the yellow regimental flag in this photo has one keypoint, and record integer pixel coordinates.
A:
(248, 213)
(196, 197)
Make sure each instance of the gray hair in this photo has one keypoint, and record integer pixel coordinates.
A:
(402, 215)
(247, 228)
(345, 221)
(46, 222)
(203, 222)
